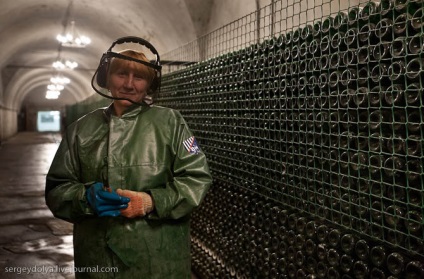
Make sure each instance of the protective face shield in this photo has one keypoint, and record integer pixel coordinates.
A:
(99, 80)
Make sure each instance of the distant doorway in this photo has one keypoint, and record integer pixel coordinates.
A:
(48, 121)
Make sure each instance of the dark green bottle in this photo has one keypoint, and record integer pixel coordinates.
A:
(383, 29)
(401, 26)
(353, 17)
(306, 34)
(386, 9)
(340, 22)
(327, 26)
(369, 13)
(417, 21)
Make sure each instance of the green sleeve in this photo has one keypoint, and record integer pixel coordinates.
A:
(191, 177)
(65, 195)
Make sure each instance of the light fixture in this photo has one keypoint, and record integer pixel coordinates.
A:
(72, 38)
(60, 80)
(59, 65)
(58, 83)
(52, 94)
(55, 87)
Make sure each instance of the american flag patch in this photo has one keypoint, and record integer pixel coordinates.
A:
(191, 146)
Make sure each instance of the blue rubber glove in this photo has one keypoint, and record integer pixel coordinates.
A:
(105, 203)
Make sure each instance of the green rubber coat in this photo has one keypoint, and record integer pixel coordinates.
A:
(141, 151)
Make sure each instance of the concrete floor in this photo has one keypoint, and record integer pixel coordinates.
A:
(33, 243)
(30, 237)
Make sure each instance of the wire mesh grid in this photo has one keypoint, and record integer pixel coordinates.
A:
(317, 106)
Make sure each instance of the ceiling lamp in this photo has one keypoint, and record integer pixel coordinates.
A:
(60, 80)
(58, 83)
(59, 65)
(55, 87)
(72, 38)
(52, 94)
(53, 91)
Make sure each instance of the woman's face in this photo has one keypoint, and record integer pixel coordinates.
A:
(127, 83)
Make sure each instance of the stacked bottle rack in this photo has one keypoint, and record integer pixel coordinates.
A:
(315, 141)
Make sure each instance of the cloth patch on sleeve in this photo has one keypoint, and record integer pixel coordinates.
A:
(191, 146)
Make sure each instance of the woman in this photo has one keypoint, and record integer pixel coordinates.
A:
(157, 176)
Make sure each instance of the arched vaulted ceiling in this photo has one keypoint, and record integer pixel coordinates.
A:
(28, 29)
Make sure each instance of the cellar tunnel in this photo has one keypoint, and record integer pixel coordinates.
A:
(310, 114)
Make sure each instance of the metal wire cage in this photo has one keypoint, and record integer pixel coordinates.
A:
(311, 116)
